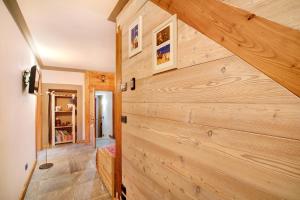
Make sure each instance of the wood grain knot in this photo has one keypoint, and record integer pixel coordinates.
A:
(198, 189)
(182, 190)
(169, 4)
(223, 70)
(251, 16)
(181, 159)
(209, 133)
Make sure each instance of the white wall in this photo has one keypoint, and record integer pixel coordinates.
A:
(62, 77)
(17, 109)
(106, 112)
(71, 78)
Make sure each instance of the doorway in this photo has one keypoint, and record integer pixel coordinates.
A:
(103, 115)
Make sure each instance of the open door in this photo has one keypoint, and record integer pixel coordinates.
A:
(99, 116)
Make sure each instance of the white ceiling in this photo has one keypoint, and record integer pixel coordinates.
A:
(72, 33)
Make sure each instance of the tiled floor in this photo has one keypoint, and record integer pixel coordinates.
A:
(104, 141)
(73, 176)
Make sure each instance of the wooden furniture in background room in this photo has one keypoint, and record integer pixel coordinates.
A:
(63, 118)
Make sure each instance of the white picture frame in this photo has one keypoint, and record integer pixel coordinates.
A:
(135, 32)
(164, 46)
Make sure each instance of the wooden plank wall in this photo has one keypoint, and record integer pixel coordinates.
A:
(216, 128)
(245, 33)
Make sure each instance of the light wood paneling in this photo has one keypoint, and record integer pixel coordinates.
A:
(200, 49)
(190, 172)
(285, 12)
(216, 128)
(280, 120)
(140, 66)
(229, 80)
(95, 82)
(245, 35)
(214, 137)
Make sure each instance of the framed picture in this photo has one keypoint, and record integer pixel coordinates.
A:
(135, 37)
(164, 42)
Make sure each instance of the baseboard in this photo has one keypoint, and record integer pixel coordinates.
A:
(22, 195)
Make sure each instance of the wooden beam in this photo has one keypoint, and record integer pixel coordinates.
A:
(117, 9)
(270, 47)
(14, 9)
(118, 112)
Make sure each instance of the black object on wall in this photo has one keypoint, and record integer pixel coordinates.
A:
(34, 80)
(132, 84)
(124, 119)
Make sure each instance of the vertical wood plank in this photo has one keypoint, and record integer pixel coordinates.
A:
(118, 111)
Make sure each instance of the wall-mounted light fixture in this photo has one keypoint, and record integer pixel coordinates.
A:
(26, 75)
(123, 87)
(103, 78)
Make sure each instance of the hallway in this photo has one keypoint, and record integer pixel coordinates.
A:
(73, 176)
(150, 100)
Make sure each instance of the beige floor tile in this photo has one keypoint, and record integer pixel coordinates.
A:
(60, 194)
(73, 176)
(89, 190)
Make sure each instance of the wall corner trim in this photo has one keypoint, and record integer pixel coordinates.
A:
(15, 11)
(117, 9)
(27, 182)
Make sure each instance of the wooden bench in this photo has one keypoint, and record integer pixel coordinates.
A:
(105, 160)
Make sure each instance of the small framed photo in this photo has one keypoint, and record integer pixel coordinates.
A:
(135, 37)
(164, 42)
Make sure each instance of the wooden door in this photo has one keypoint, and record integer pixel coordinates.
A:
(99, 116)
(52, 115)
(92, 118)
